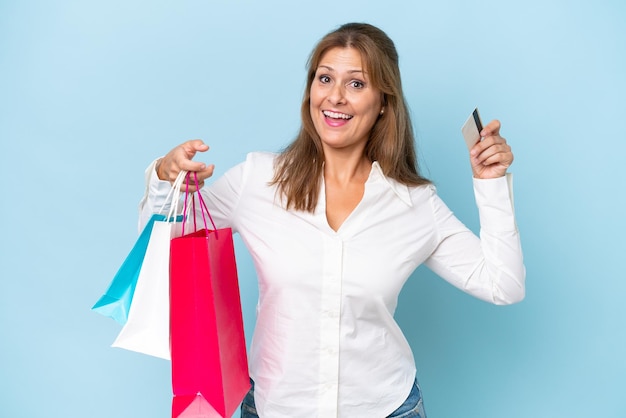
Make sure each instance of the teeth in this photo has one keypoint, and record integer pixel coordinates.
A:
(336, 115)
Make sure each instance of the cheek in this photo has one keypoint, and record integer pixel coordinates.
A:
(314, 97)
(375, 108)
(315, 104)
(312, 104)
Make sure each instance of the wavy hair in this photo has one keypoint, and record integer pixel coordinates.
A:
(391, 143)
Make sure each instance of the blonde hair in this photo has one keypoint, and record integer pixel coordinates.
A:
(299, 167)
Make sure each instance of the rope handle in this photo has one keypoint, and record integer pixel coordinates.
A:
(173, 197)
(203, 206)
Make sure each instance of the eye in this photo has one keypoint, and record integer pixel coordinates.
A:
(357, 84)
(324, 79)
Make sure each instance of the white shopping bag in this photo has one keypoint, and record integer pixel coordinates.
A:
(147, 330)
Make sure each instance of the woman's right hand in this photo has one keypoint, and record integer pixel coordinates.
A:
(180, 158)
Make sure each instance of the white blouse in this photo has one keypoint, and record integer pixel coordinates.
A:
(326, 343)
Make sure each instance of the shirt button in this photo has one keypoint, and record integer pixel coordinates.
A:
(330, 314)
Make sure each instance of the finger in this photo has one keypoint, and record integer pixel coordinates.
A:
(193, 146)
(499, 149)
(190, 148)
(502, 158)
(491, 129)
(190, 165)
(202, 175)
(184, 159)
(180, 158)
(199, 177)
(486, 143)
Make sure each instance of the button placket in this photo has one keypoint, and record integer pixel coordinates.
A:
(329, 326)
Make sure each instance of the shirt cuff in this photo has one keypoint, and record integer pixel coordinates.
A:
(156, 189)
(494, 198)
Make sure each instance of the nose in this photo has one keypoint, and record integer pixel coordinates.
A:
(337, 94)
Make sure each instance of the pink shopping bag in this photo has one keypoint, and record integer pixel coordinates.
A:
(208, 350)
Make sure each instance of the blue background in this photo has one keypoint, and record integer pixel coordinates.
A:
(92, 91)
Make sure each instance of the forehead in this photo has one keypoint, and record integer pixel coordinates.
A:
(338, 58)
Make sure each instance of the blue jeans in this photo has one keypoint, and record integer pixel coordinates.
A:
(413, 407)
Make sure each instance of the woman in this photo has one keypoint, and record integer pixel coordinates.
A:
(337, 223)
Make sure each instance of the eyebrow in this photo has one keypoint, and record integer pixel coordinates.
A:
(329, 68)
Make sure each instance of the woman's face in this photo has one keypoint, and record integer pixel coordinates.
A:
(344, 105)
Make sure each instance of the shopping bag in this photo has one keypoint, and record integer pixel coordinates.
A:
(209, 363)
(194, 406)
(116, 301)
(147, 328)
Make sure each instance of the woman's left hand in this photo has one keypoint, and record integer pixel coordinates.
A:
(491, 157)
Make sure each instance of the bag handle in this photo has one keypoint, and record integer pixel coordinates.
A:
(173, 197)
(173, 190)
(203, 206)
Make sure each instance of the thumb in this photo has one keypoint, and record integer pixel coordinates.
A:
(492, 129)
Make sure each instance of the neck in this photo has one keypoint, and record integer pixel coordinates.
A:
(344, 168)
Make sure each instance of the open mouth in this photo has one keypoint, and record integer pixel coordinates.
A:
(336, 115)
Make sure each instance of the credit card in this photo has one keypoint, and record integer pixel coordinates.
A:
(471, 129)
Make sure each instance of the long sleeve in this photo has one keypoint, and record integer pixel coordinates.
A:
(491, 267)
(154, 196)
(221, 196)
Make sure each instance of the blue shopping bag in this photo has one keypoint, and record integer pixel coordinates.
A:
(115, 303)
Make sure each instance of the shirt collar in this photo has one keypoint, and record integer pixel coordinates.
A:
(401, 190)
